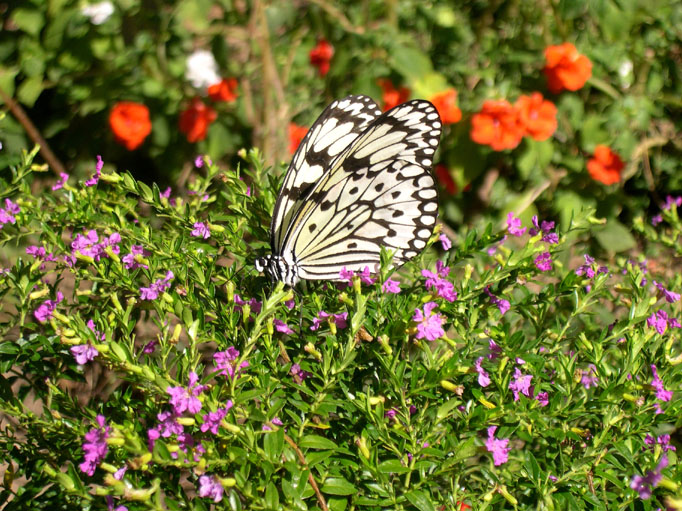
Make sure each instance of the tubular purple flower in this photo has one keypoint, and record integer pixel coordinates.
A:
(210, 487)
(200, 230)
(497, 446)
(429, 324)
(390, 286)
(95, 446)
(483, 376)
(514, 225)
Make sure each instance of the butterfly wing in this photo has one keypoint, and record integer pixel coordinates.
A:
(333, 131)
(378, 192)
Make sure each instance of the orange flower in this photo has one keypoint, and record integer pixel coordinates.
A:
(224, 90)
(130, 123)
(195, 120)
(566, 68)
(392, 96)
(445, 179)
(296, 135)
(446, 104)
(497, 125)
(605, 166)
(537, 115)
(321, 55)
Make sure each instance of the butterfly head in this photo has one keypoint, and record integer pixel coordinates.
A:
(278, 268)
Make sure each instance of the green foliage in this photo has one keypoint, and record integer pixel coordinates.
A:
(374, 416)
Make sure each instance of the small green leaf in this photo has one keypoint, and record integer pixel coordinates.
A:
(420, 500)
(338, 486)
(30, 21)
(317, 442)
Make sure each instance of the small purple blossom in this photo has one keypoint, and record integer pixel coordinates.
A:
(254, 305)
(644, 485)
(84, 353)
(118, 475)
(209, 486)
(150, 347)
(290, 304)
(212, 419)
(99, 336)
(45, 310)
(199, 161)
(445, 241)
(132, 260)
(662, 440)
(168, 426)
(543, 262)
(661, 393)
(340, 320)
(201, 230)
(437, 282)
(185, 399)
(429, 324)
(514, 225)
(493, 248)
(95, 446)
(158, 287)
(166, 193)
(546, 229)
(542, 398)
(282, 327)
(659, 321)
(94, 179)
(390, 286)
(656, 219)
(589, 378)
(671, 201)
(502, 304)
(521, 384)
(89, 245)
(63, 178)
(483, 376)
(224, 362)
(494, 350)
(298, 374)
(497, 446)
(670, 296)
(7, 215)
(366, 276)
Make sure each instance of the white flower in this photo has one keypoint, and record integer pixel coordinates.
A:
(202, 69)
(98, 13)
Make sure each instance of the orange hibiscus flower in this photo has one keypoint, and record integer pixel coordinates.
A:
(129, 121)
(224, 90)
(565, 68)
(446, 104)
(392, 97)
(497, 125)
(195, 120)
(321, 55)
(537, 115)
(606, 166)
(296, 135)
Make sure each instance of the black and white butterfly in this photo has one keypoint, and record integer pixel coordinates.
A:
(360, 180)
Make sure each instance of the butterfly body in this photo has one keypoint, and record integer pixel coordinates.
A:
(359, 180)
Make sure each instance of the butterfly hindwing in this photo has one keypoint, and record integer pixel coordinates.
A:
(378, 192)
(334, 130)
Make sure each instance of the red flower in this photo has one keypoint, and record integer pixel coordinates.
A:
(566, 68)
(537, 115)
(130, 123)
(446, 104)
(296, 134)
(224, 90)
(497, 125)
(195, 120)
(445, 179)
(392, 96)
(605, 166)
(321, 55)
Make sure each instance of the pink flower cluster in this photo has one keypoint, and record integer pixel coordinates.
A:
(437, 282)
(45, 310)
(156, 288)
(7, 214)
(95, 446)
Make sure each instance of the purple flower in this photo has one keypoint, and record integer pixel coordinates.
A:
(186, 398)
(346, 275)
(589, 377)
(95, 446)
(199, 161)
(543, 398)
(502, 304)
(494, 350)
(298, 374)
(158, 287)
(671, 201)
(168, 425)
(201, 230)
(659, 321)
(514, 225)
(45, 310)
(110, 503)
(670, 297)
(656, 219)
(521, 384)
(224, 362)
(546, 229)
(493, 248)
(150, 347)
(99, 336)
(132, 260)
(290, 304)
(118, 475)
(366, 276)
(63, 178)
(543, 262)
(212, 419)
(254, 305)
(340, 320)
(98, 172)
(436, 282)
(166, 193)
(447, 244)
(84, 353)
(644, 485)
(483, 377)
(497, 446)
(663, 441)
(7, 214)
(661, 393)
(210, 487)
(282, 327)
(429, 325)
(390, 286)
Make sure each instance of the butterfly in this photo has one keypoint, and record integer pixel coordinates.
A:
(360, 179)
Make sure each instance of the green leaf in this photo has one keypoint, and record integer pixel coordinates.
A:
(271, 496)
(615, 237)
(29, 90)
(337, 486)
(317, 442)
(393, 466)
(410, 62)
(420, 500)
(30, 21)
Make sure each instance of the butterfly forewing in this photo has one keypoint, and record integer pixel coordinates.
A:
(378, 192)
(336, 128)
